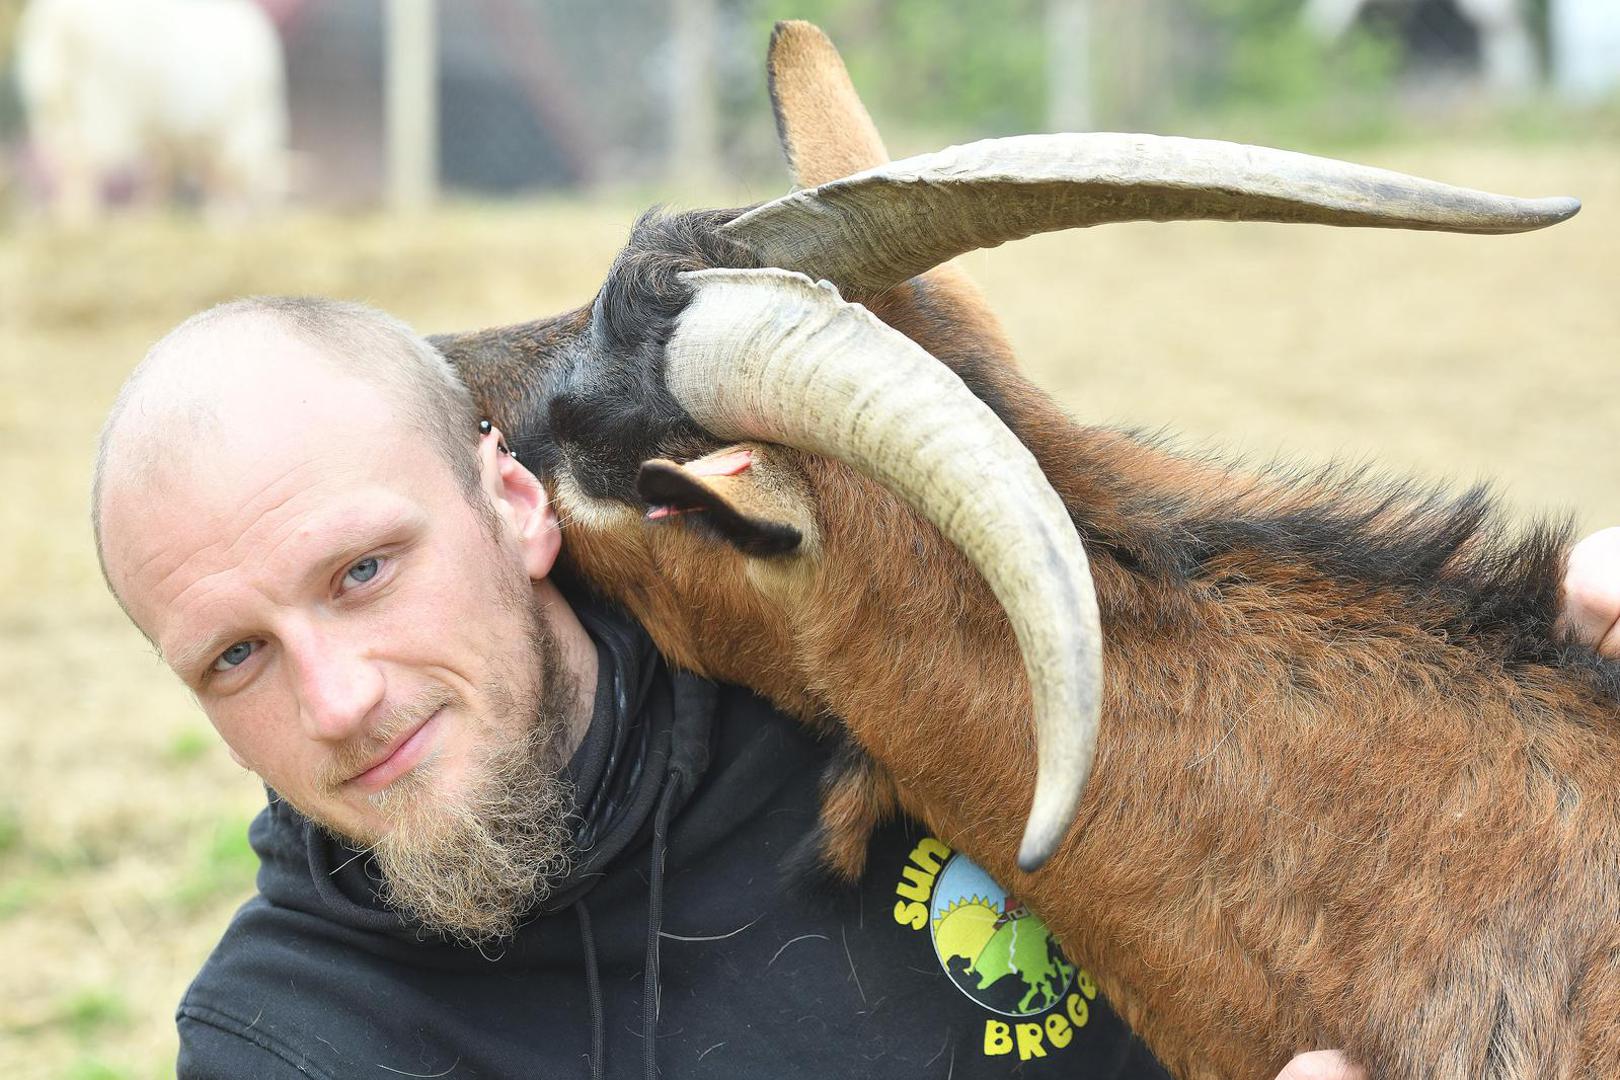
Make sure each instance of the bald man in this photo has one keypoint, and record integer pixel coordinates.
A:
(295, 502)
(239, 462)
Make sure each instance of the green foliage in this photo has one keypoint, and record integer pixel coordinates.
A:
(92, 1011)
(94, 1068)
(17, 893)
(222, 865)
(975, 68)
(11, 121)
(1262, 77)
(187, 746)
(1269, 59)
(11, 829)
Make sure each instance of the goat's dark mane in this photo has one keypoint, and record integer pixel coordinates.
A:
(643, 294)
(1460, 567)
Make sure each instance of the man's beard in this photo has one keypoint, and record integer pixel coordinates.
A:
(469, 865)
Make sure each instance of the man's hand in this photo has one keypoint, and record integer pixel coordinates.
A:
(1592, 592)
(1321, 1065)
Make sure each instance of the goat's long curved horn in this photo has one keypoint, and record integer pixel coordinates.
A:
(869, 231)
(766, 354)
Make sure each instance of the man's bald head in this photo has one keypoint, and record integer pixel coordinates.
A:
(181, 393)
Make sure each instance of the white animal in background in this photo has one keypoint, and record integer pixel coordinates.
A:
(1508, 53)
(161, 91)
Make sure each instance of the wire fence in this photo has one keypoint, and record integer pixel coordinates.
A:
(541, 94)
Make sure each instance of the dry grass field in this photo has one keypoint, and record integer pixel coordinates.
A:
(121, 821)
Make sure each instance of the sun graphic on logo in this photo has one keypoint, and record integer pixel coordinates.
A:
(966, 927)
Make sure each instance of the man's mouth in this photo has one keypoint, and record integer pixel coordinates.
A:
(400, 758)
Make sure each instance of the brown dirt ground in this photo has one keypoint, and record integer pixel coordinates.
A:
(120, 819)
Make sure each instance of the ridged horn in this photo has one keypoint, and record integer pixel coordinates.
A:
(768, 355)
(869, 231)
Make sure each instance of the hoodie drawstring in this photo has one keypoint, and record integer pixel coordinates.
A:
(650, 988)
(593, 988)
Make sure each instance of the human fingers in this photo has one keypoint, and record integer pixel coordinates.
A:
(1321, 1065)
(1591, 611)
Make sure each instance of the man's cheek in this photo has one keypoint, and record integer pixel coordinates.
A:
(237, 737)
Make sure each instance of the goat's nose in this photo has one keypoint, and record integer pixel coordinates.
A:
(336, 683)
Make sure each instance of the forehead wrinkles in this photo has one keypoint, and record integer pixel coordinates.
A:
(201, 532)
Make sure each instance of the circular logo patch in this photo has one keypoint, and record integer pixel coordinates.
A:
(994, 950)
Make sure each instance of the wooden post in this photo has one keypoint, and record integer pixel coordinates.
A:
(412, 104)
(693, 121)
(1069, 105)
(1132, 84)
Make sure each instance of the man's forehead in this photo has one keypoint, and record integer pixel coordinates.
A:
(241, 383)
(232, 361)
(281, 426)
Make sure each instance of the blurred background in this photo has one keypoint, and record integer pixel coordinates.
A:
(475, 162)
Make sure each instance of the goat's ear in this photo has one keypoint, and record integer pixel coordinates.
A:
(826, 134)
(825, 131)
(729, 495)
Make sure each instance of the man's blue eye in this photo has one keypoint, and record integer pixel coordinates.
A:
(364, 570)
(234, 656)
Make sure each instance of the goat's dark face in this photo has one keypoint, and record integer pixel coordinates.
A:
(611, 409)
(581, 396)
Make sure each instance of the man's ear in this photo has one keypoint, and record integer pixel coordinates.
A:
(522, 503)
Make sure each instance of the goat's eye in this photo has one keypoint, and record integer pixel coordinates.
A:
(235, 656)
(363, 571)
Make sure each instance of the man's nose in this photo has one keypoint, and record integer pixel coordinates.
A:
(337, 685)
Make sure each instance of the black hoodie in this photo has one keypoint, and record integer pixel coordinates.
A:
(690, 797)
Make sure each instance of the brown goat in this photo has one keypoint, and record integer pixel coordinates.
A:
(1333, 805)
(1351, 789)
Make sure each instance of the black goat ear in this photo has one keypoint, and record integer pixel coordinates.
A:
(719, 495)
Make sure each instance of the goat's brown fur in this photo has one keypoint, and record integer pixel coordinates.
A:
(1314, 819)
(1350, 790)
